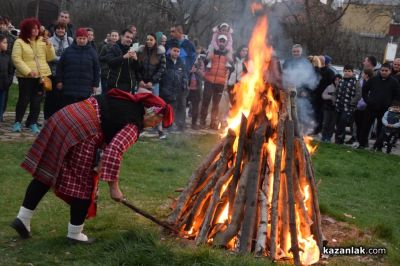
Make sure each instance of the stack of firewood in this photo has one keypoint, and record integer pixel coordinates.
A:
(249, 197)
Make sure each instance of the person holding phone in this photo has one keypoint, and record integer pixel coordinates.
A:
(123, 64)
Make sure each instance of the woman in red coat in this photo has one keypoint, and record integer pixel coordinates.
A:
(63, 156)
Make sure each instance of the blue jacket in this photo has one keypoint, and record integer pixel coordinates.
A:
(174, 80)
(78, 70)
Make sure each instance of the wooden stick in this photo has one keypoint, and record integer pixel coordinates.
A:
(250, 210)
(221, 239)
(149, 216)
(283, 213)
(317, 226)
(289, 182)
(196, 175)
(226, 154)
(262, 227)
(205, 178)
(205, 227)
(293, 103)
(276, 185)
(238, 161)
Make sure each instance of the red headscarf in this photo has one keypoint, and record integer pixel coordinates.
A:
(148, 100)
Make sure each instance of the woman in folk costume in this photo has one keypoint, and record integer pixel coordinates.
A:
(63, 155)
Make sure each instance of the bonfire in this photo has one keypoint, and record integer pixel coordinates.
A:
(255, 191)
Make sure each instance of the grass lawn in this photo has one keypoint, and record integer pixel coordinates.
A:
(360, 183)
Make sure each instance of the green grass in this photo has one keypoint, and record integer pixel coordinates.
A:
(151, 171)
(363, 184)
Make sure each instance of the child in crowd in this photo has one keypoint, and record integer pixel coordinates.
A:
(348, 94)
(391, 128)
(173, 87)
(6, 72)
(222, 29)
(329, 97)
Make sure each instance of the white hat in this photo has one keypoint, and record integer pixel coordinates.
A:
(222, 36)
(224, 24)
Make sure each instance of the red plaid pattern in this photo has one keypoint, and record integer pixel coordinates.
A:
(112, 156)
(75, 175)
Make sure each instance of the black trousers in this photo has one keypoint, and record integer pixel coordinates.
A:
(343, 119)
(211, 92)
(358, 122)
(369, 118)
(36, 191)
(30, 92)
(195, 97)
(328, 125)
(52, 101)
(179, 107)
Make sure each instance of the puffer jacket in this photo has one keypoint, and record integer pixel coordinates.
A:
(23, 56)
(151, 71)
(78, 70)
(174, 80)
(217, 74)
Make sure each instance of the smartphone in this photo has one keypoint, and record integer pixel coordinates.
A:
(134, 47)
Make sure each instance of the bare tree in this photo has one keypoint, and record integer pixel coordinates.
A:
(312, 23)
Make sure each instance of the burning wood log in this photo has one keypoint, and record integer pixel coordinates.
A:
(250, 208)
(262, 226)
(276, 184)
(193, 182)
(289, 181)
(221, 169)
(238, 161)
(205, 227)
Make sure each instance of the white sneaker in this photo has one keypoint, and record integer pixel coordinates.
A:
(355, 145)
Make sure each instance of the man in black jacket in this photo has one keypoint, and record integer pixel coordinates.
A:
(379, 93)
(123, 64)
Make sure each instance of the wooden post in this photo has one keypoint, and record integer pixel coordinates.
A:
(250, 210)
(289, 181)
(276, 186)
(197, 174)
(238, 162)
(205, 227)
(221, 169)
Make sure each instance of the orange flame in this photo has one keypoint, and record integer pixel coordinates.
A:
(252, 84)
(310, 146)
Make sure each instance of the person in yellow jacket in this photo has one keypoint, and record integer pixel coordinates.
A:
(31, 54)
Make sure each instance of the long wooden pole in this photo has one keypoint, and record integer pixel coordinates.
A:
(150, 217)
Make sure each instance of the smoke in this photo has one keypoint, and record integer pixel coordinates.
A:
(299, 73)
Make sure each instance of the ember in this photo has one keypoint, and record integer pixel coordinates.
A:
(257, 193)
